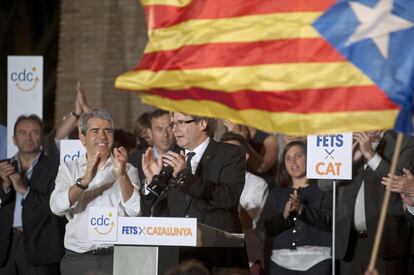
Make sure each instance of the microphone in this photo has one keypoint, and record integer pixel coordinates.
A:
(160, 181)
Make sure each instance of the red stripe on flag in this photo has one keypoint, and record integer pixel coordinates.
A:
(343, 99)
(165, 16)
(241, 54)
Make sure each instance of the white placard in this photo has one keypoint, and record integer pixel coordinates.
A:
(140, 230)
(329, 156)
(157, 231)
(24, 91)
(71, 149)
(102, 224)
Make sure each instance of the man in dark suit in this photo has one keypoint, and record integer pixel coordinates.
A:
(163, 141)
(31, 237)
(207, 179)
(359, 204)
(210, 184)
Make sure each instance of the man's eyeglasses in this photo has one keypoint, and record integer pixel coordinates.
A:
(180, 123)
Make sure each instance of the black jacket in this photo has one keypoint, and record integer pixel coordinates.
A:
(43, 232)
(214, 191)
(396, 234)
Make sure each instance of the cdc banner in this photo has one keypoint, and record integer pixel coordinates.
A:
(24, 91)
(70, 150)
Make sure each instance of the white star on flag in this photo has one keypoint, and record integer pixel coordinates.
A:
(377, 23)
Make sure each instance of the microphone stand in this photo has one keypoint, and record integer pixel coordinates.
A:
(162, 196)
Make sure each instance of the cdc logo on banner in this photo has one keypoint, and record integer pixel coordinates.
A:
(70, 150)
(24, 91)
(102, 224)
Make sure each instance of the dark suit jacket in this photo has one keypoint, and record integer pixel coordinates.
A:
(396, 230)
(43, 232)
(214, 191)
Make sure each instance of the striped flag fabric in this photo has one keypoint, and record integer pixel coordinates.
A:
(274, 65)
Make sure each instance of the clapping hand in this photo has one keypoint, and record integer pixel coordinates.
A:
(402, 184)
(120, 160)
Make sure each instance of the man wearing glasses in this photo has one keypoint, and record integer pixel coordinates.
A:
(208, 176)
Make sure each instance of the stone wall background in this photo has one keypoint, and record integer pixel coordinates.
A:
(99, 40)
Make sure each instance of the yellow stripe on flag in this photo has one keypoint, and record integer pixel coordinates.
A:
(289, 123)
(237, 29)
(273, 77)
(175, 3)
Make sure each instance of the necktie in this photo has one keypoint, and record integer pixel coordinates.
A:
(190, 155)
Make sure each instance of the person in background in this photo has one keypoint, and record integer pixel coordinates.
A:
(163, 141)
(31, 237)
(142, 131)
(252, 201)
(359, 203)
(102, 178)
(68, 126)
(298, 219)
(263, 150)
(124, 139)
(404, 185)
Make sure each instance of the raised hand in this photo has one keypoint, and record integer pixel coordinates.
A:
(150, 166)
(91, 168)
(401, 184)
(81, 99)
(19, 183)
(120, 159)
(364, 144)
(297, 205)
(288, 209)
(6, 169)
(236, 128)
(176, 161)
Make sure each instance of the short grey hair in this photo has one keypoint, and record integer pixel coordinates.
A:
(95, 113)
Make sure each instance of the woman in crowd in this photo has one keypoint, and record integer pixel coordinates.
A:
(298, 219)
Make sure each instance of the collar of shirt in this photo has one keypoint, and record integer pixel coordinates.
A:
(199, 151)
(29, 172)
(155, 152)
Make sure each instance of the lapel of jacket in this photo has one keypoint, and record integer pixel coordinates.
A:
(39, 172)
(202, 169)
(206, 158)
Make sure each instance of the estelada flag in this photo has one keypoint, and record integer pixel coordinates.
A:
(293, 66)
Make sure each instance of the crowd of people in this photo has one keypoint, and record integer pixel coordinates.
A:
(175, 166)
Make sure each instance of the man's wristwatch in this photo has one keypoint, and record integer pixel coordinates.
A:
(79, 184)
(75, 115)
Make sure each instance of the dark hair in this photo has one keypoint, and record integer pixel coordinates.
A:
(155, 114)
(31, 117)
(284, 179)
(211, 123)
(229, 136)
(141, 125)
(125, 139)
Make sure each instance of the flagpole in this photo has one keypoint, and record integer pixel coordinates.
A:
(380, 227)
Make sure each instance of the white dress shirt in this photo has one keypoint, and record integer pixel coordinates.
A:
(104, 190)
(252, 200)
(199, 151)
(360, 222)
